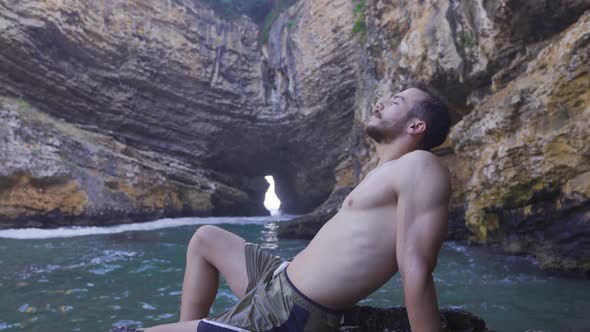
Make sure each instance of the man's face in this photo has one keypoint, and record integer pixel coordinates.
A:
(390, 115)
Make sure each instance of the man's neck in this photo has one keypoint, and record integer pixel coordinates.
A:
(393, 150)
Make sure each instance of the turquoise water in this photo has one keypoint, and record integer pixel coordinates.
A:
(79, 280)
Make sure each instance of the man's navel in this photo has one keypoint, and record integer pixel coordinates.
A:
(350, 202)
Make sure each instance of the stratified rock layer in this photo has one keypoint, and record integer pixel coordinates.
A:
(526, 148)
(172, 111)
(54, 174)
(516, 75)
(181, 90)
(158, 78)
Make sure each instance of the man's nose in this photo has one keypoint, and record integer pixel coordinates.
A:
(378, 107)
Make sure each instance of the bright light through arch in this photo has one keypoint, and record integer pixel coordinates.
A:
(271, 201)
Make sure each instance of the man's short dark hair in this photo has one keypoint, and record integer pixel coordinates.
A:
(435, 112)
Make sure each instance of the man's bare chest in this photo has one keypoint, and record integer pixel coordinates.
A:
(372, 193)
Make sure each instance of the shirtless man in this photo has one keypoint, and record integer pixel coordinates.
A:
(394, 220)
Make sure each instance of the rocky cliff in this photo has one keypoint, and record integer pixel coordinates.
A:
(117, 111)
(188, 110)
(517, 78)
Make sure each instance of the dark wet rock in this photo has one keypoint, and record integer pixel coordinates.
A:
(369, 319)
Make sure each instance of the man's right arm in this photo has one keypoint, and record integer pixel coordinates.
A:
(422, 213)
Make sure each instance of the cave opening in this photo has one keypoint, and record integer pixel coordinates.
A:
(271, 201)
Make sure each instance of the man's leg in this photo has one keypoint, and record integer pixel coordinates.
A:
(211, 250)
(190, 326)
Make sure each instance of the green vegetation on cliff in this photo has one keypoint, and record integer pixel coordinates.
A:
(359, 13)
(23, 104)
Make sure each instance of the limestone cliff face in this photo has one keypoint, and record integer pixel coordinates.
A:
(189, 110)
(54, 173)
(122, 110)
(517, 77)
(527, 147)
(157, 77)
(309, 76)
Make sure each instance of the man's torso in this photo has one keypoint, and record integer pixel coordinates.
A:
(354, 253)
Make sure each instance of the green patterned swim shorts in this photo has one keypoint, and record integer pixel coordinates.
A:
(272, 303)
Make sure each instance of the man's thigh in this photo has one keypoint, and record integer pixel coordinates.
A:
(226, 252)
(190, 326)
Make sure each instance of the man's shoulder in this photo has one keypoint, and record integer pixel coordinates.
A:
(424, 168)
(417, 162)
(420, 157)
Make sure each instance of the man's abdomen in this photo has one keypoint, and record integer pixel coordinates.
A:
(346, 261)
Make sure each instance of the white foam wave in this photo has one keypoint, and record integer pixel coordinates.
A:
(456, 246)
(73, 231)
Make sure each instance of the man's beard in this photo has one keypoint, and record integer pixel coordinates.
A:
(385, 135)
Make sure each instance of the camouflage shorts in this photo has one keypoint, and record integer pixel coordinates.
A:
(271, 303)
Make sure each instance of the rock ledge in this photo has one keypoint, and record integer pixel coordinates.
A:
(395, 319)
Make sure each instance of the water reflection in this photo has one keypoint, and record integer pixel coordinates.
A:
(268, 236)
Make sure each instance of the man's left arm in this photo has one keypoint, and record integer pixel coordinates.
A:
(422, 213)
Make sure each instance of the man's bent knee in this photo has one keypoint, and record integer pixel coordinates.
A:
(201, 241)
(224, 251)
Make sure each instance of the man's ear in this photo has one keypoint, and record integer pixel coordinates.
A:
(416, 127)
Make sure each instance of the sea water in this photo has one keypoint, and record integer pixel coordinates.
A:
(94, 278)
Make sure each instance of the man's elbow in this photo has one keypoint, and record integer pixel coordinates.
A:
(416, 268)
